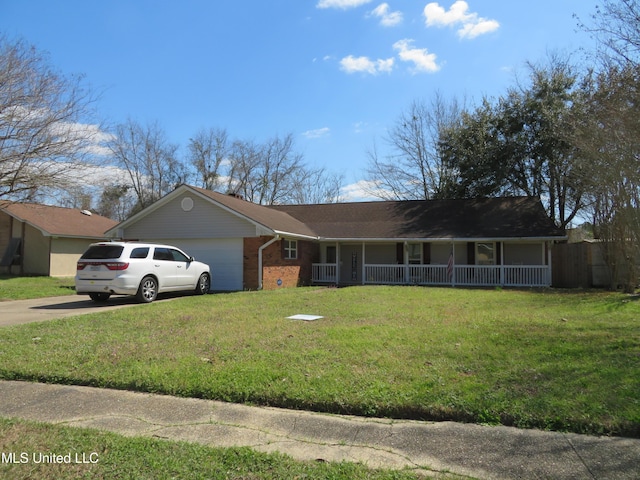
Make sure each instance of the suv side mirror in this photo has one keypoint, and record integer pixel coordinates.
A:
(191, 259)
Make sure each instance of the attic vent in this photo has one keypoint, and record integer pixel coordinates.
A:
(187, 204)
(86, 212)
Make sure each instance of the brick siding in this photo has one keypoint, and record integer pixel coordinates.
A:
(275, 268)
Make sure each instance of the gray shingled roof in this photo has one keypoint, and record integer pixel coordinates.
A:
(270, 218)
(506, 217)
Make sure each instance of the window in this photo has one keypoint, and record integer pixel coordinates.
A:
(162, 254)
(178, 256)
(415, 253)
(101, 252)
(290, 249)
(485, 253)
(139, 252)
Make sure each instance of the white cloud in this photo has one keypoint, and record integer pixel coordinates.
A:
(420, 57)
(317, 133)
(90, 138)
(387, 18)
(353, 64)
(458, 14)
(362, 191)
(99, 175)
(473, 30)
(359, 127)
(83, 138)
(342, 4)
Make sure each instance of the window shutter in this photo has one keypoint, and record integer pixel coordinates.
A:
(400, 253)
(426, 253)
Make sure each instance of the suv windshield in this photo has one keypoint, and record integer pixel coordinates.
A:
(102, 252)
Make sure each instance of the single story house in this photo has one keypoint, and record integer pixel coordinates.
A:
(46, 240)
(480, 242)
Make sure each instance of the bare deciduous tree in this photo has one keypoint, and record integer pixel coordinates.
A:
(43, 142)
(266, 173)
(208, 149)
(414, 169)
(616, 26)
(149, 159)
(317, 186)
(244, 161)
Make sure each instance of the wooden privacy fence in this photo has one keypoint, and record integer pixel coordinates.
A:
(570, 265)
(579, 265)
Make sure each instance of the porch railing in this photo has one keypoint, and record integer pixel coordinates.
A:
(469, 275)
(527, 275)
(324, 273)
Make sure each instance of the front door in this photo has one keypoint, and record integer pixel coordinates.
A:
(165, 268)
(350, 264)
(184, 273)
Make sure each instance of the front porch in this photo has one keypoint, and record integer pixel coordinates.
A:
(463, 275)
(486, 264)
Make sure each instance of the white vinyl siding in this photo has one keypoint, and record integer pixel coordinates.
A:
(204, 220)
(523, 254)
(381, 253)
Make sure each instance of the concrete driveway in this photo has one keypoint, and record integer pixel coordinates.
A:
(17, 312)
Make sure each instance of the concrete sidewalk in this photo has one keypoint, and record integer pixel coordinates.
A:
(464, 449)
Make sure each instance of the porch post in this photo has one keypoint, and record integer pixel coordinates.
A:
(337, 263)
(549, 261)
(405, 259)
(363, 262)
(501, 263)
(452, 259)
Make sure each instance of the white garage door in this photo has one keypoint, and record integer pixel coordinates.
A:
(224, 257)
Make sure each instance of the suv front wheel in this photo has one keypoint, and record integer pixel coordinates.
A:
(204, 283)
(148, 290)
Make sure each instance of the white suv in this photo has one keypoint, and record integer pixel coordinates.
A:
(141, 269)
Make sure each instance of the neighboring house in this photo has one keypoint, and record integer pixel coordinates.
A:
(45, 240)
(493, 241)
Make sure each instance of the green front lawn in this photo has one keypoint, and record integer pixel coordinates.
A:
(546, 359)
(21, 288)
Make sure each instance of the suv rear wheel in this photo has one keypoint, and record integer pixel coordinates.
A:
(148, 290)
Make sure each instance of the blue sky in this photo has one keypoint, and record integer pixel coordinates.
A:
(335, 73)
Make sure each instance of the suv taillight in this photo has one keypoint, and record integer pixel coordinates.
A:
(109, 265)
(117, 265)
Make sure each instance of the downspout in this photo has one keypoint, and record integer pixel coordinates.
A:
(262, 247)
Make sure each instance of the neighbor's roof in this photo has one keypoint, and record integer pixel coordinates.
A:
(505, 217)
(58, 221)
